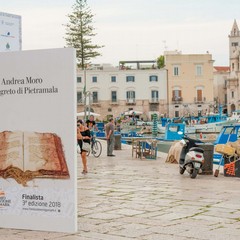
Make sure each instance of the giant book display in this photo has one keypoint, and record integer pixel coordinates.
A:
(38, 156)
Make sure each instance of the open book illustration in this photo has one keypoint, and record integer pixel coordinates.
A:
(28, 155)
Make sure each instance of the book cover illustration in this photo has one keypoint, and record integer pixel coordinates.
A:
(28, 155)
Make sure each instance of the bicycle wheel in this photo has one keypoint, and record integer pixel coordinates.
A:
(91, 149)
(97, 149)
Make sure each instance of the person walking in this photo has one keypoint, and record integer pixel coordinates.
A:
(109, 129)
(83, 135)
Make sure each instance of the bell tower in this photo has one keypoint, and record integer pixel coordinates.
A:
(233, 92)
(234, 46)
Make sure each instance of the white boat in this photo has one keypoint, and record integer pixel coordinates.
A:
(235, 116)
(188, 129)
(211, 123)
(214, 127)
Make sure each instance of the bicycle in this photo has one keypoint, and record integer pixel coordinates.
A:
(96, 147)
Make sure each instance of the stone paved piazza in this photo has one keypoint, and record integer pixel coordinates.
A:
(127, 198)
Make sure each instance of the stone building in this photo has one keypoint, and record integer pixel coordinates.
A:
(113, 91)
(220, 76)
(190, 83)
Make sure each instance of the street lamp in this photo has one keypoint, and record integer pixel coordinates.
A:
(87, 94)
(84, 91)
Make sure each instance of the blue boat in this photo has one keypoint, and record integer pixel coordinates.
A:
(173, 132)
(229, 133)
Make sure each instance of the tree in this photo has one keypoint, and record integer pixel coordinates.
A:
(160, 62)
(79, 33)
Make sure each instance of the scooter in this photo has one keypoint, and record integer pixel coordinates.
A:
(191, 157)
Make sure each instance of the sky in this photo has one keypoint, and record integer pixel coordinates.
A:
(133, 29)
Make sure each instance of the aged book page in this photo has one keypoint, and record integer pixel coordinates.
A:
(43, 152)
(28, 155)
(11, 150)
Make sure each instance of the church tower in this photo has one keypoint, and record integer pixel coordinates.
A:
(233, 93)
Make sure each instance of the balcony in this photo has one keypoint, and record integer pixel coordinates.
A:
(199, 100)
(177, 100)
(80, 102)
(114, 102)
(130, 101)
(154, 101)
(95, 103)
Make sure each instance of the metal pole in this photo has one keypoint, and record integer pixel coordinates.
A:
(167, 92)
(89, 104)
(85, 92)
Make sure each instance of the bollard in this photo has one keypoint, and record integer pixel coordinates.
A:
(117, 142)
(207, 168)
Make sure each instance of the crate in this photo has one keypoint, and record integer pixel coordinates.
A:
(225, 149)
(231, 167)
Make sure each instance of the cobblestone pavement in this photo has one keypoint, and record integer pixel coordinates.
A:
(127, 198)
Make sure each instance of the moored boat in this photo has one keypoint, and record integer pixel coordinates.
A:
(229, 133)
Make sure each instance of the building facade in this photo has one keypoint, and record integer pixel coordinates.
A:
(112, 91)
(190, 84)
(220, 76)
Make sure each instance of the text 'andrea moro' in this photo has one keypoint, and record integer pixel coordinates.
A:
(16, 81)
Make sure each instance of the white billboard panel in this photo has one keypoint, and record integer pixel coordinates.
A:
(38, 180)
(10, 32)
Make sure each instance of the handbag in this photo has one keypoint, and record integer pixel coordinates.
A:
(86, 146)
(78, 149)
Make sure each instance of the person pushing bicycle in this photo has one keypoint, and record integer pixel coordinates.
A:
(91, 124)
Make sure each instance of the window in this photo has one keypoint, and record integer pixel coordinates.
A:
(153, 78)
(94, 79)
(113, 79)
(199, 95)
(130, 96)
(198, 70)
(130, 79)
(232, 93)
(114, 96)
(79, 79)
(234, 44)
(175, 70)
(232, 66)
(95, 97)
(176, 95)
(154, 95)
(79, 97)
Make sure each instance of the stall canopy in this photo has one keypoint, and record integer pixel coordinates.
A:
(81, 114)
(133, 112)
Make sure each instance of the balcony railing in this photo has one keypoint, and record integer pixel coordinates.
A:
(200, 100)
(114, 102)
(130, 101)
(95, 102)
(80, 101)
(154, 100)
(176, 99)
